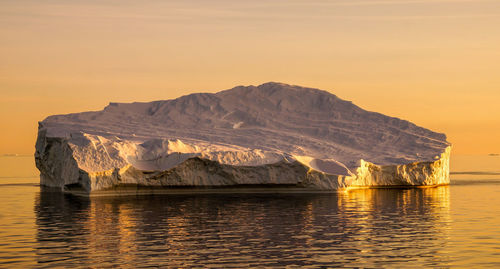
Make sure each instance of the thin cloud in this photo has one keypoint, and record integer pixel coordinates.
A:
(373, 3)
(220, 12)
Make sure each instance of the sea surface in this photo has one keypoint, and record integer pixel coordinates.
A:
(448, 226)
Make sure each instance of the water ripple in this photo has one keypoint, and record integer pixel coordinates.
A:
(362, 228)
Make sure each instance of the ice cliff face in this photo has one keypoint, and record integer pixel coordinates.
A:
(273, 134)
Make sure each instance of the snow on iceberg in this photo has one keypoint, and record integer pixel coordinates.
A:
(269, 135)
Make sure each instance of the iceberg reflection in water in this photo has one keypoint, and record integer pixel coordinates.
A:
(371, 227)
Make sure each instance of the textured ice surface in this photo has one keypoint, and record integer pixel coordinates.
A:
(269, 134)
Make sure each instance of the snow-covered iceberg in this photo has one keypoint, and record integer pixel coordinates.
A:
(256, 136)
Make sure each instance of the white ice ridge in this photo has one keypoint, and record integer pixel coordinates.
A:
(273, 134)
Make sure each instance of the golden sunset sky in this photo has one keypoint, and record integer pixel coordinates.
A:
(433, 62)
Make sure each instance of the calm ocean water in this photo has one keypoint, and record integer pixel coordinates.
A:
(449, 226)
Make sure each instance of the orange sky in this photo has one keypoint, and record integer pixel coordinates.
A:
(433, 62)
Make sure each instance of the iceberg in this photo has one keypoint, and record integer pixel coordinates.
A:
(269, 136)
